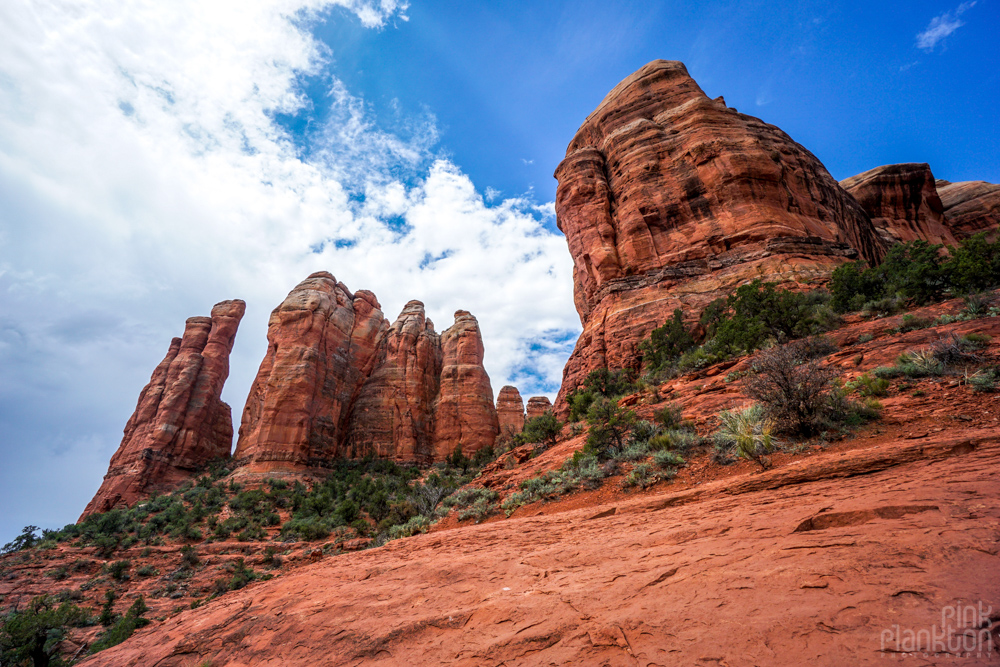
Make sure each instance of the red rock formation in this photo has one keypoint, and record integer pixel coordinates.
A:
(464, 413)
(971, 207)
(180, 422)
(510, 411)
(669, 199)
(322, 343)
(339, 381)
(903, 203)
(538, 406)
(393, 416)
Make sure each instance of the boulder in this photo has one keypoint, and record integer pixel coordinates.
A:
(180, 423)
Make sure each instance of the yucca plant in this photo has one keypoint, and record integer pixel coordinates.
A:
(750, 432)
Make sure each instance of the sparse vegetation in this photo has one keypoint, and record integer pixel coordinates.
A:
(747, 432)
(32, 635)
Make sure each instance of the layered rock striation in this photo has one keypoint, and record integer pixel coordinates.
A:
(339, 381)
(902, 202)
(971, 207)
(180, 423)
(510, 411)
(669, 199)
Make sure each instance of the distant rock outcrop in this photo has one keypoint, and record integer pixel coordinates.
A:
(902, 202)
(322, 343)
(669, 199)
(339, 382)
(510, 411)
(180, 422)
(464, 414)
(971, 207)
(538, 406)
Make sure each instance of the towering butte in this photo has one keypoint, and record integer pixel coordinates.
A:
(510, 411)
(339, 381)
(180, 422)
(538, 406)
(971, 207)
(903, 203)
(669, 199)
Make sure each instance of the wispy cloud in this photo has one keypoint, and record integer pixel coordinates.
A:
(942, 26)
(144, 177)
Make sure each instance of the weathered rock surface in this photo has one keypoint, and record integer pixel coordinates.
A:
(538, 406)
(669, 199)
(902, 202)
(464, 414)
(339, 381)
(393, 416)
(809, 564)
(971, 207)
(322, 343)
(510, 411)
(180, 422)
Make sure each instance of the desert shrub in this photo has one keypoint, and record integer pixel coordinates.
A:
(119, 569)
(974, 265)
(147, 571)
(676, 440)
(271, 557)
(31, 635)
(123, 628)
(641, 476)
(912, 322)
(643, 431)
(868, 385)
(885, 306)
(792, 391)
(748, 432)
(609, 383)
(723, 452)
(851, 286)
(666, 344)
(635, 451)
(952, 350)
(701, 357)
(189, 556)
(669, 416)
(668, 459)
(59, 574)
(481, 509)
(984, 380)
(418, 524)
(815, 347)
(915, 271)
(468, 496)
(543, 429)
(242, 575)
(866, 338)
(609, 426)
(976, 306)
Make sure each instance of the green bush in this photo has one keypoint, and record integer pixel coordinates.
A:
(418, 524)
(543, 429)
(610, 384)
(119, 570)
(31, 635)
(974, 266)
(868, 385)
(25, 540)
(669, 416)
(668, 459)
(123, 628)
(641, 476)
(666, 344)
(609, 427)
(912, 322)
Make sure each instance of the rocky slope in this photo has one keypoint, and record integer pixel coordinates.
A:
(339, 381)
(820, 562)
(180, 422)
(970, 206)
(669, 199)
(903, 203)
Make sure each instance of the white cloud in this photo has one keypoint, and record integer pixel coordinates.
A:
(144, 179)
(942, 26)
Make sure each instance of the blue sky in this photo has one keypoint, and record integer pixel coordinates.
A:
(158, 158)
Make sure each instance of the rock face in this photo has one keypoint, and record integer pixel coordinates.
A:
(180, 422)
(510, 411)
(322, 343)
(393, 416)
(464, 414)
(902, 202)
(538, 406)
(339, 381)
(971, 207)
(669, 199)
